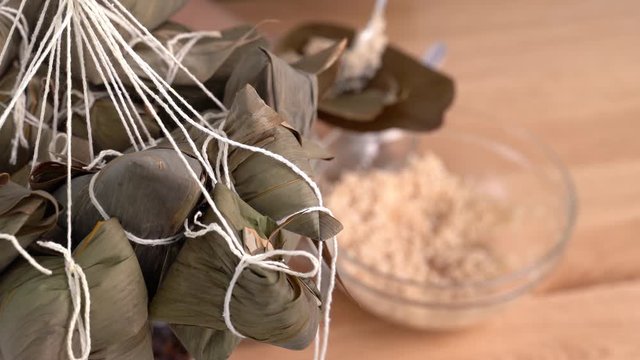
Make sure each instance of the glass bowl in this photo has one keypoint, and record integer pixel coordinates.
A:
(502, 162)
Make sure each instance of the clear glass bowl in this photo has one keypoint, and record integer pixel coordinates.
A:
(502, 162)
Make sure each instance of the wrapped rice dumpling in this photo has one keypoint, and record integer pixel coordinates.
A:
(150, 192)
(290, 92)
(203, 53)
(108, 130)
(266, 184)
(152, 13)
(25, 214)
(35, 308)
(266, 305)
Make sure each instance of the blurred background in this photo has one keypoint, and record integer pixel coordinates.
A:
(568, 70)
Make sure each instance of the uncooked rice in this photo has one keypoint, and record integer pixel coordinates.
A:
(420, 223)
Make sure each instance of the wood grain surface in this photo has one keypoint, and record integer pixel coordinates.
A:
(570, 71)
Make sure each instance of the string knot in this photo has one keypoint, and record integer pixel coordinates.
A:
(79, 292)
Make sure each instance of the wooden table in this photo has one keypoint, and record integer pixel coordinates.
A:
(570, 71)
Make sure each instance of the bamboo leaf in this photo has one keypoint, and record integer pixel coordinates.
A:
(267, 306)
(422, 97)
(266, 184)
(25, 214)
(204, 343)
(108, 129)
(324, 64)
(35, 308)
(290, 92)
(152, 13)
(150, 192)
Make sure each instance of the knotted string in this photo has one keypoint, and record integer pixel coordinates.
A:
(14, 241)
(192, 40)
(93, 23)
(262, 260)
(130, 236)
(79, 292)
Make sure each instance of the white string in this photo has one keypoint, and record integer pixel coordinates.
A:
(53, 151)
(44, 48)
(245, 260)
(142, 91)
(130, 236)
(192, 40)
(79, 291)
(119, 10)
(118, 90)
(19, 22)
(262, 260)
(11, 31)
(327, 306)
(158, 82)
(43, 110)
(100, 19)
(99, 161)
(14, 241)
(222, 171)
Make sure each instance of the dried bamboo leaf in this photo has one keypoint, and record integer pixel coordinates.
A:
(235, 43)
(150, 192)
(108, 130)
(50, 175)
(315, 151)
(357, 107)
(152, 13)
(290, 92)
(12, 44)
(324, 64)
(34, 93)
(203, 343)
(35, 308)
(6, 137)
(203, 60)
(25, 214)
(266, 306)
(421, 100)
(267, 185)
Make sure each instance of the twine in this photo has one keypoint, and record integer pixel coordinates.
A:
(93, 23)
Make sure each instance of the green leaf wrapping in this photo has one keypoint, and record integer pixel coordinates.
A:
(206, 344)
(414, 96)
(267, 306)
(34, 93)
(108, 130)
(290, 92)
(35, 308)
(267, 185)
(25, 214)
(12, 43)
(152, 13)
(150, 192)
(203, 60)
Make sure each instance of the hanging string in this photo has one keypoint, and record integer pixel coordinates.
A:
(130, 236)
(93, 23)
(19, 22)
(79, 293)
(159, 82)
(192, 40)
(262, 260)
(16, 244)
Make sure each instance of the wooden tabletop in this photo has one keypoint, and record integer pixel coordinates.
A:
(570, 71)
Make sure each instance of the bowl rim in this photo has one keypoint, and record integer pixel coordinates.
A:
(548, 257)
